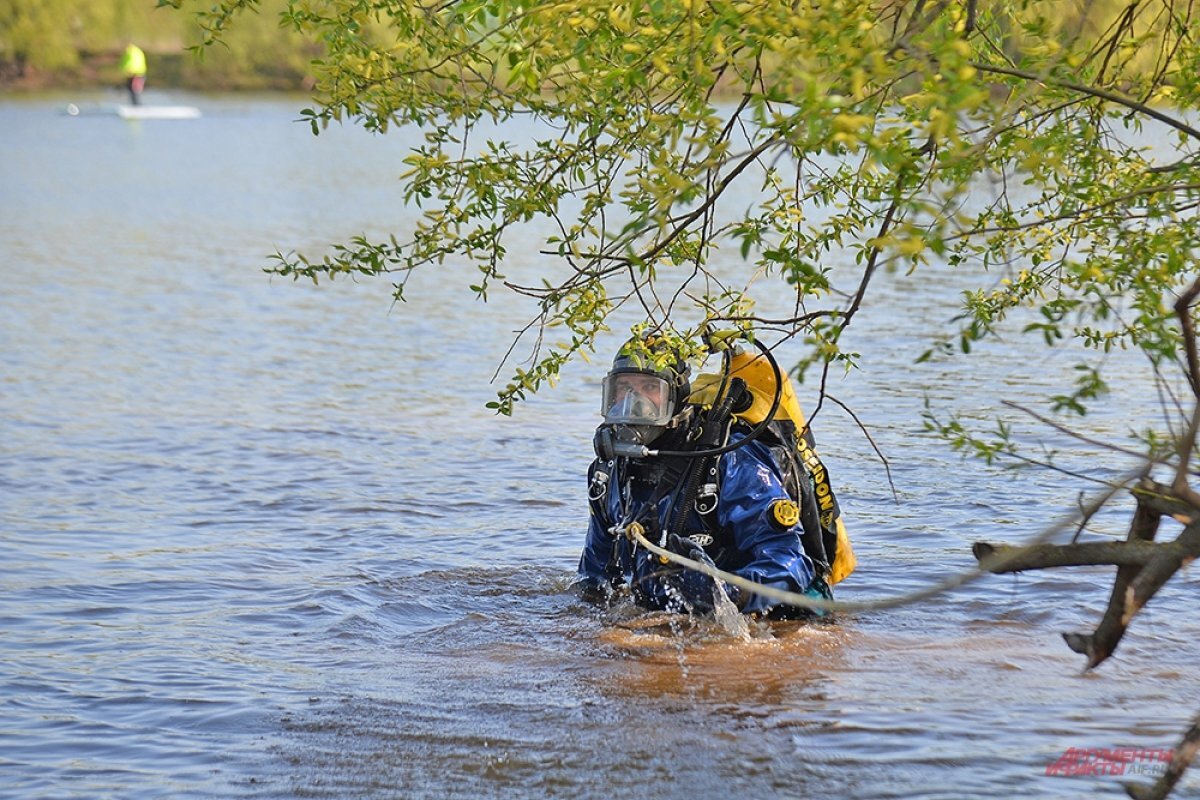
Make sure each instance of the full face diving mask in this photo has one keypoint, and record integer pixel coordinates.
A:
(636, 398)
(638, 405)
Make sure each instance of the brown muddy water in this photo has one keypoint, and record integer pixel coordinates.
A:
(261, 539)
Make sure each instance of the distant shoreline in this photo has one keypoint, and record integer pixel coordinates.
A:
(167, 71)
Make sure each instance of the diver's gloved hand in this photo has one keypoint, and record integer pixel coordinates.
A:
(688, 549)
(695, 588)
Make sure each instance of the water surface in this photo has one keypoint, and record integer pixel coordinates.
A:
(262, 539)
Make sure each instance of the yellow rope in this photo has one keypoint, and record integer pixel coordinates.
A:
(636, 532)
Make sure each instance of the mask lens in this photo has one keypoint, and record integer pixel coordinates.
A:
(636, 398)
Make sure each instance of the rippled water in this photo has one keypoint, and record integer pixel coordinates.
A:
(261, 539)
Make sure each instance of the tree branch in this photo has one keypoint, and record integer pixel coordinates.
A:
(1184, 753)
(1093, 91)
(1161, 499)
(1135, 587)
(1187, 443)
(1082, 554)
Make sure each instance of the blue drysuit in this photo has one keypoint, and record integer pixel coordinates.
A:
(747, 540)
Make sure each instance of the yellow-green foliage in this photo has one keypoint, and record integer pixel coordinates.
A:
(996, 134)
(1005, 136)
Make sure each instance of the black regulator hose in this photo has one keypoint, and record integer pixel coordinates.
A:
(713, 431)
(754, 432)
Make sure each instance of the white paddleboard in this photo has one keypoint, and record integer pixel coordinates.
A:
(158, 112)
(134, 112)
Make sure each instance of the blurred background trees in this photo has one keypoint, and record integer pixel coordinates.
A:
(68, 44)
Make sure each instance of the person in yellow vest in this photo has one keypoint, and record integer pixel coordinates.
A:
(133, 67)
(720, 469)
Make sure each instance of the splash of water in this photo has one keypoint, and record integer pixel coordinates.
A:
(727, 616)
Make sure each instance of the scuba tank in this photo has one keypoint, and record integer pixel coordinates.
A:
(773, 402)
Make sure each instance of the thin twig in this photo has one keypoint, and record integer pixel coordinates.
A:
(887, 467)
(1073, 434)
(1096, 92)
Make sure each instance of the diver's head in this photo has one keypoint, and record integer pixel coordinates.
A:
(644, 393)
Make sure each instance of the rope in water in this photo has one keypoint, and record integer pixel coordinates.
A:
(986, 566)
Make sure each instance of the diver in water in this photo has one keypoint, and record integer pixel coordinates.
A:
(714, 488)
